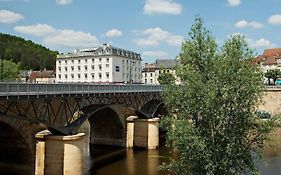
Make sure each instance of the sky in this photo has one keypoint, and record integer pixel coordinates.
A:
(153, 28)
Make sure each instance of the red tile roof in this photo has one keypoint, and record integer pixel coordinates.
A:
(42, 74)
(275, 52)
(269, 57)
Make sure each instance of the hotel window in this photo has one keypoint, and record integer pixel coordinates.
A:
(145, 74)
(72, 76)
(79, 61)
(93, 75)
(72, 68)
(107, 75)
(85, 60)
(107, 65)
(107, 60)
(72, 61)
(86, 68)
(151, 74)
(59, 62)
(59, 68)
(65, 76)
(93, 67)
(93, 60)
(59, 76)
(79, 68)
(65, 62)
(100, 76)
(151, 80)
(100, 67)
(79, 76)
(65, 68)
(99, 59)
(86, 76)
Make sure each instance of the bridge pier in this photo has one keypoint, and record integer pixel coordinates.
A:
(143, 133)
(59, 155)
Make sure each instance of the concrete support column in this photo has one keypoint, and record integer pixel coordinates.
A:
(130, 131)
(40, 152)
(146, 133)
(62, 154)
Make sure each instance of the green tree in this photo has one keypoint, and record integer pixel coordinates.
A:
(166, 78)
(272, 74)
(212, 123)
(10, 70)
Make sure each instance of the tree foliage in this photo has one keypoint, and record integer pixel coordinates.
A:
(10, 70)
(166, 78)
(212, 122)
(28, 54)
(272, 74)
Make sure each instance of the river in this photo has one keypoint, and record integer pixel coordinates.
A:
(118, 161)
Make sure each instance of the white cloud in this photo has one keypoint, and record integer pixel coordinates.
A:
(39, 30)
(260, 43)
(59, 37)
(113, 33)
(156, 54)
(158, 7)
(252, 24)
(64, 2)
(234, 2)
(9, 17)
(154, 36)
(275, 19)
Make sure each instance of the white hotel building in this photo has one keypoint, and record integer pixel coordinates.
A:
(103, 64)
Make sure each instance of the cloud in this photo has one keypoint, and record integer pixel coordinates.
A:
(9, 17)
(154, 36)
(59, 37)
(275, 19)
(159, 7)
(260, 43)
(244, 24)
(113, 33)
(64, 2)
(234, 2)
(156, 54)
(38, 30)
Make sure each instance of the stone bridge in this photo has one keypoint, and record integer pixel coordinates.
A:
(26, 109)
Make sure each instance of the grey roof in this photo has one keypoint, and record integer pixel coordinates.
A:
(104, 49)
(166, 63)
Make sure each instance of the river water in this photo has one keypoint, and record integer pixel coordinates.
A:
(117, 161)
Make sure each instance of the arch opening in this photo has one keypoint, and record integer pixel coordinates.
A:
(107, 128)
(15, 153)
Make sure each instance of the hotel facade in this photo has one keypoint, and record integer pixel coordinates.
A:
(103, 64)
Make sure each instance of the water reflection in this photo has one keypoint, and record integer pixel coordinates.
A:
(107, 160)
(111, 160)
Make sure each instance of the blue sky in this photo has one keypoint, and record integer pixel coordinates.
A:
(153, 28)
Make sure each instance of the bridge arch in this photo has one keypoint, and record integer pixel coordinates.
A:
(107, 127)
(151, 109)
(17, 146)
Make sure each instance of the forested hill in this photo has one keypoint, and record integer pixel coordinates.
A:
(30, 55)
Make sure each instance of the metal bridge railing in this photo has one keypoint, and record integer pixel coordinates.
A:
(18, 88)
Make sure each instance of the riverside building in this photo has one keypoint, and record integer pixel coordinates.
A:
(103, 64)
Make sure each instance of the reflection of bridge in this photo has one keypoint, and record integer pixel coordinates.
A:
(26, 109)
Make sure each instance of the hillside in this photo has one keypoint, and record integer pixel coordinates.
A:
(29, 54)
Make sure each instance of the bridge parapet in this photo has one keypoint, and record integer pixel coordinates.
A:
(8, 89)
